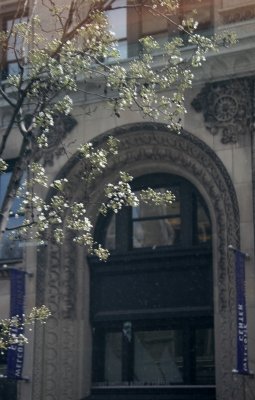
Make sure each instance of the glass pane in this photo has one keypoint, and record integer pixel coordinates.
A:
(4, 182)
(123, 49)
(151, 210)
(113, 354)
(158, 357)
(15, 43)
(204, 231)
(159, 232)
(111, 234)
(2, 363)
(118, 19)
(205, 357)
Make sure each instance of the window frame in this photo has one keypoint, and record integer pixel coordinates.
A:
(187, 326)
(189, 196)
(135, 31)
(10, 14)
(189, 258)
(10, 247)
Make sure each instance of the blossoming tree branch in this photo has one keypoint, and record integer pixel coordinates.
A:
(53, 64)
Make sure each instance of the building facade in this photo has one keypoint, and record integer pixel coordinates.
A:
(158, 320)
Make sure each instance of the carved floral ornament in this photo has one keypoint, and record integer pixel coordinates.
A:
(227, 108)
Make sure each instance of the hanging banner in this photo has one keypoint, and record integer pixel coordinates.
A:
(15, 353)
(242, 339)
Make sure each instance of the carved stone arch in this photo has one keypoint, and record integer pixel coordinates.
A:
(145, 148)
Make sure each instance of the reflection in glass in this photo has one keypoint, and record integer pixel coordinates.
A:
(158, 357)
(151, 210)
(118, 24)
(113, 354)
(158, 232)
(204, 231)
(157, 225)
(204, 356)
(111, 234)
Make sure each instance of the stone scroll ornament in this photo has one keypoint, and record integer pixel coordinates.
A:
(227, 108)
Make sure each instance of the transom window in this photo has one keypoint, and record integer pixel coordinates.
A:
(184, 223)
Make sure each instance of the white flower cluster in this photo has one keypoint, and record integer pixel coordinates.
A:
(12, 329)
(157, 197)
(119, 195)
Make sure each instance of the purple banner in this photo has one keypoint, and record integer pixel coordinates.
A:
(15, 353)
(242, 340)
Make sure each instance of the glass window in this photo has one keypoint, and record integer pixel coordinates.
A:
(158, 357)
(113, 357)
(204, 356)
(155, 226)
(117, 19)
(111, 234)
(204, 233)
(15, 50)
(10, 249)
(8, 387)
(132, 23)
(184, 223)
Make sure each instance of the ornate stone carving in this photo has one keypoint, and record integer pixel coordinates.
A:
(227, 108)
(144, 148)
(238, 14)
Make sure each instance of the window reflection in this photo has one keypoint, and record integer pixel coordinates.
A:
(161, 232)
(204, 232)
(205, 356)
(157, 225)
(158, 357)
(152, 226)
(111, 234)
(118, 24)
(10, 249)
(113, 355)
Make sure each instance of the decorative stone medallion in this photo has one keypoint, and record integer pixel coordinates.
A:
(227, 108)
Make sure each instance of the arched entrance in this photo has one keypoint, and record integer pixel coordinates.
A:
(144, 148)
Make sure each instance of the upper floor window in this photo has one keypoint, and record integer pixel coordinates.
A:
(118, 22)
(132, 23)
(10, 59)
(10, 249)
(183, 224)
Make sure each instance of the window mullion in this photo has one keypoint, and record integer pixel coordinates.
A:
(127, 352)
(98, 362)
(188, 355)
(186, 215)
(123, 230)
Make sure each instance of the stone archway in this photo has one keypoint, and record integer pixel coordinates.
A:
(144, 147)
